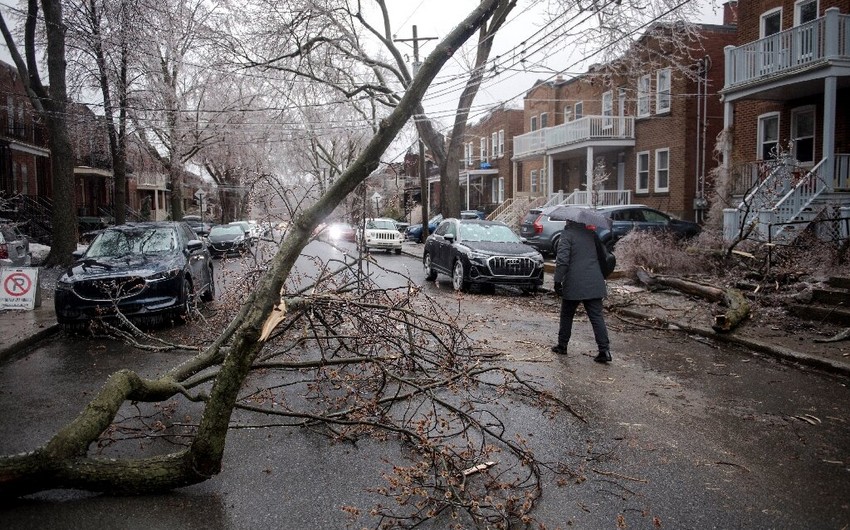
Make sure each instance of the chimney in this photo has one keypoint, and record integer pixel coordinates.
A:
(730, 13)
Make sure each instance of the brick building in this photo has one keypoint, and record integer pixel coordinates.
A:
(640, 129)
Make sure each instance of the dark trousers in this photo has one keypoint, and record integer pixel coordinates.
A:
(593, 308)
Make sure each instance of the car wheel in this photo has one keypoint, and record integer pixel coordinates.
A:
(186, 299)
(430, 273)
(397, 251)
(209, 293)
(458, 282)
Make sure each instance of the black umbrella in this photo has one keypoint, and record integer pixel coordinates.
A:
(580, 214)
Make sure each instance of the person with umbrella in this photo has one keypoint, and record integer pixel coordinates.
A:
(578, 276)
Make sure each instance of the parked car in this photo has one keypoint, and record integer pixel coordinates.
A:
(543, 233)
(414, 231)
(381, 233)
(336, 232)
(228, 239)
(487, 253)
(256, 230)
(201, 227)
(14, 246)
(151, 270)
(247, 229)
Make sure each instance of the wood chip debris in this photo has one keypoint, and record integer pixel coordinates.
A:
(808, 418)
(477, 469)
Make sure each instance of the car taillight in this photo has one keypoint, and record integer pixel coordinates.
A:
(4, 251)
(538, 226)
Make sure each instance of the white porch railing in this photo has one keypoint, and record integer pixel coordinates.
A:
(814, 42)
(596, 198)
(782, 196)
(581, 130)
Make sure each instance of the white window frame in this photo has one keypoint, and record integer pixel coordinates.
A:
(760, 141)
(501, 190)
(579, 110)
(568, 114)
(662, 170)
(10, 116)
(470, 160)
(798, 4)
(663, 92)
(607, 108)
(814, 136)
(763, 18)
(494, 190)
(644, 89)
(533, 177)
(482, 145)
(494, 147)
(501, 142)
(466, 154)
(639, 171)
(544, 120)
(533, 124)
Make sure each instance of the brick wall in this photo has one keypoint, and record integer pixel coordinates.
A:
(750, 11)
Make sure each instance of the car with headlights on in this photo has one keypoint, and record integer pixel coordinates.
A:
(485, 253)
(151, 270)
(381, 233)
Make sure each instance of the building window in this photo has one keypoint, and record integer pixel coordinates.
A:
(768, 136)
(643, 96)
(534, 181)
(501, 142)
(662, 91)
(501, 197)
(466, 154)
(534, 123)
(494, 144)
(568, 114)
(607, 108)
(482, 143)
(544, 120)
(662, 170)
(803, 135)
(471, 154)
(494, 190)
(579, 110)
(805, 11)
(642, 177)
(771, 23)
(10, 116)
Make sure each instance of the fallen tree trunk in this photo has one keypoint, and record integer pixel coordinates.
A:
(738, 308)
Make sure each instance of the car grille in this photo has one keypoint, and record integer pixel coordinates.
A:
(510, 266)
(112, 289)
(387, 236)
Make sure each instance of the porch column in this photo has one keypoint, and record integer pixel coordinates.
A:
(550, 170)
(829, 98)
(589, 176)
(728, 117)
(514, 180)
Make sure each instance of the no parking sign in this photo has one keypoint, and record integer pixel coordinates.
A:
(19, 288)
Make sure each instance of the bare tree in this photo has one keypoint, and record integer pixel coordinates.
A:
(400, 371)
(51, 104)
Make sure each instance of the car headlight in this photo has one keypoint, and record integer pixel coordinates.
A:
(64, 284)
(480, 257)
(164, 275)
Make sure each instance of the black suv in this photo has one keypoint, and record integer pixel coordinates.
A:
(543, 233)
(486, 253)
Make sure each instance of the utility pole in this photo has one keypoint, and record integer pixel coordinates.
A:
(423, 174)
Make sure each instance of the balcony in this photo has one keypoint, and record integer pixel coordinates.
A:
(820, 43)
(586, 130)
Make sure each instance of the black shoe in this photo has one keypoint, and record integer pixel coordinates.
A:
(560, 350)
(603, 357)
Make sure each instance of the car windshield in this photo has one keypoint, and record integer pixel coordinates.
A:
(486, 232)
(380, 224)
(235, 230)
(133, 241)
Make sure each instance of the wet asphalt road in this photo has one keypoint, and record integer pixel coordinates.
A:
(680, 433)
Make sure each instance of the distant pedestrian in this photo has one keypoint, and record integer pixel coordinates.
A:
(578, 279)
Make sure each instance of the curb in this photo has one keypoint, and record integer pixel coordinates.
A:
(785, 354)
(29, 341)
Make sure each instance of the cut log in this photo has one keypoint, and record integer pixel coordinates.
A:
(738, 308)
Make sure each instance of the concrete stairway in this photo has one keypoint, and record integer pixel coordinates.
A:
(830, 303)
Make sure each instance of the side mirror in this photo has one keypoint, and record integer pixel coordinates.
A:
(449, 237)
(77, 254)
(194, 245)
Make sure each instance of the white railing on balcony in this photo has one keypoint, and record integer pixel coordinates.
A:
(581, 130)
(595, 198)
(151, 180)
(814, 42)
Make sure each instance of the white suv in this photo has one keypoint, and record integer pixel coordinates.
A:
(381, 233)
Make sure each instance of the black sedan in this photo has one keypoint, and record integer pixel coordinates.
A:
(151, 270)
(228, 239)
(486, 253)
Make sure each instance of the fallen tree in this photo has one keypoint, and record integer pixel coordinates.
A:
(416, 380)
(738, 308)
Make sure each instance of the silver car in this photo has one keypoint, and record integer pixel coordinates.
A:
(14, 246)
